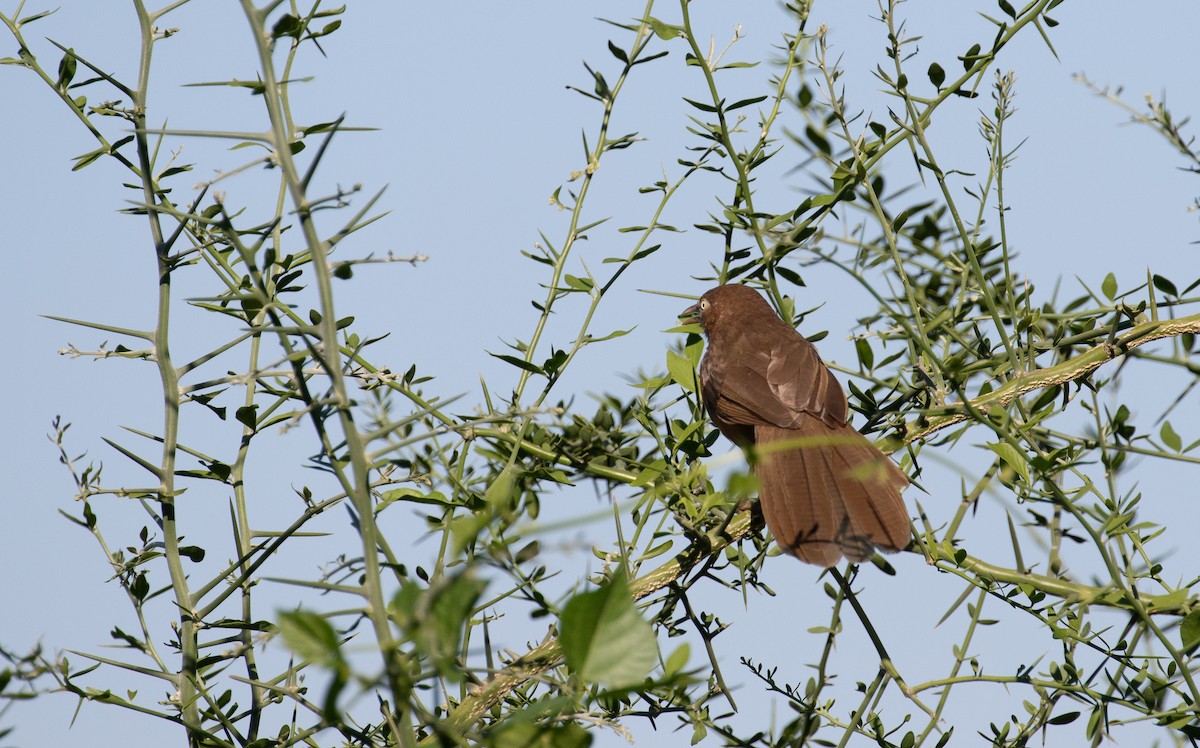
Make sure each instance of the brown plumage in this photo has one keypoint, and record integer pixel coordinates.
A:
(826, 492)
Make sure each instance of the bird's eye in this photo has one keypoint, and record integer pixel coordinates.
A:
(703, 304)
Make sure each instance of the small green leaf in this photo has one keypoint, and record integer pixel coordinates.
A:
(817, 139)
(499, 494)
(528, 552)
(66, 70)
(579, 284)
(737, 65)
(1011, 457)
(601, 87)
(604, 638)
(937, 76)
(866, 356)
(1165, 285)
(701, 105)
(520, 363)
(466, 527)
(35, 17)
(287, 25)
(140, 587)
(678, 660)
(791, 276)
(173, 170)
(326, 30)
(412, 495)
(657, 550)
(745, 102)
(1169, 437)
(664, 31)
(88, 158)
(1109, 286)
(451, 608)
(1189, 630)
(649, 474)
(556, 360)
(618, 53)
(610, 336)
(320, 127)
(970, 57)
(247, 415)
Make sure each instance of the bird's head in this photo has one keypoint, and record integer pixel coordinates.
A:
(724, 303)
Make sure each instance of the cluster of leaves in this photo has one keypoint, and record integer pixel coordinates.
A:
(964, 348)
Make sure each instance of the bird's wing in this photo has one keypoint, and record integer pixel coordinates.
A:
(771, 376)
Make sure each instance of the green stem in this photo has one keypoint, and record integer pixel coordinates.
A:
(188, 679)
(395, 667)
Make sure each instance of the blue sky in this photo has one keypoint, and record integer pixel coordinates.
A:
(476, 130)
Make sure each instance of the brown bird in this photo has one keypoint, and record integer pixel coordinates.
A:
(825, 491)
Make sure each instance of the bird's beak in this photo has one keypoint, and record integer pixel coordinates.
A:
(691, 315)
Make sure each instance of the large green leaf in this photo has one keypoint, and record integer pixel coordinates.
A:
(433, 619)
(604, 638)
(310, 636)
(682, 371)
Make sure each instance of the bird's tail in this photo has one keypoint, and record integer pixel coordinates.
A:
(827, 492)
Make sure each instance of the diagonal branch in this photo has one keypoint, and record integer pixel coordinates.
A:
(1071, 370)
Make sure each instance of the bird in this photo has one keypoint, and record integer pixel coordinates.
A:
(825, 490)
